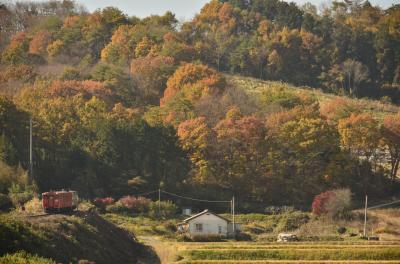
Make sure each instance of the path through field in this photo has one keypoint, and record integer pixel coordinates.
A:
(166, 251)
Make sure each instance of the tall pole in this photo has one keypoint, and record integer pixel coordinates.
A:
(159, 203)
(365, 216)
(233, 217)
(30, 152)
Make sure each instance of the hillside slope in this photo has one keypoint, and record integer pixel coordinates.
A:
(256, 87)
(82, 236)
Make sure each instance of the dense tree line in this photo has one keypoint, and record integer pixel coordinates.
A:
(123, 105)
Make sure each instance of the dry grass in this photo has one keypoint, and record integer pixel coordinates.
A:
(256, 87)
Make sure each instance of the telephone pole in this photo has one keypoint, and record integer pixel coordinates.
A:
(159, 203)
(233, 217)
(365, 216)
(30, 152)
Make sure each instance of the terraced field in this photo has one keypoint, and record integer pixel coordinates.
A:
(329, 252)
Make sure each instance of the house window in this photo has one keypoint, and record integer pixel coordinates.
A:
(199, 227)
(219, 229)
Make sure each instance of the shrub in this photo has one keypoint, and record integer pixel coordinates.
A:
(24, 258)
(20, 198)
(280, 96)
(183, 238)
(334, 203)
(5, 203)
(292, 221)
(101, 203)
(15, 235)
(341, 230)
(207, 238)
(85, 205)
(34, 206)
(117, 208)
(272, 210)
(320, 201)
(135, 204)
(241, 236)
(167, 209)
(20, 193)
(70, 74)
(170, 226)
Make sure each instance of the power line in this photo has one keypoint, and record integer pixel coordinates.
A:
(382, 205)
(144, 194)
(195, 199)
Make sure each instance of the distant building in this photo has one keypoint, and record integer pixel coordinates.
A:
(187, 211)
(207, 223)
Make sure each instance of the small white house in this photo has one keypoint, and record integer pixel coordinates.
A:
(207, 223)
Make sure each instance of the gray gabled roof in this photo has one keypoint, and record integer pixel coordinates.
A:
(202, 213)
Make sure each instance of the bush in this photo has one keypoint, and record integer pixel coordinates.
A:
(207, 238)
(34, 206)
(334, 203)
(292, 221)
(85, 206)
(320, 201)
(168, 209)
(183, 238)
(241, 236)
(280, 96)
(117, 208)
(24, 258)
(5, 203)
(272, 210)
(19, 194)
(102, 203)
(170, 226)
(341, 230)
(135, 204)
(70, 73)
(18, 199)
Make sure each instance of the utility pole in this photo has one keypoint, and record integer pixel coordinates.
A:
(159, 203)
(365, 216)
(30, 153)
(233, 217)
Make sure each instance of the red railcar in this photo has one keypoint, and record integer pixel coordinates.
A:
(61, 201)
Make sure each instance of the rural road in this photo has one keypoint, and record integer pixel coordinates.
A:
(165, 250)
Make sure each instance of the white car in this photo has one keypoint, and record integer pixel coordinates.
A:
(287, 237)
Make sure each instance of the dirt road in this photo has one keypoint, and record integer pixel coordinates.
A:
(165, 250)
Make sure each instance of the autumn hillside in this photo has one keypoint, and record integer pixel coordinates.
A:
(122, 105)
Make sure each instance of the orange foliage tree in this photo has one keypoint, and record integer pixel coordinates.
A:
(196, 138)
(39, 43)
(360, 134)
(195, 81)
(391, 135)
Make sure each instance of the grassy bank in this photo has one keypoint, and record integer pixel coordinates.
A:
(69, 238)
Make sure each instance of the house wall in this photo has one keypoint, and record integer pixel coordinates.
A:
(210, 223)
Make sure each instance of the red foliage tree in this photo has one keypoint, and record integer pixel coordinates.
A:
(86, 88)
(319, 205)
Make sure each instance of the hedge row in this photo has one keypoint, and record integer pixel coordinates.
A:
(297, 254)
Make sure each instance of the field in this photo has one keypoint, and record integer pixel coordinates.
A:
(328, 252)
(319, 242)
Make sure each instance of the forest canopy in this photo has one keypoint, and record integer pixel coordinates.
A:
(122, 105)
